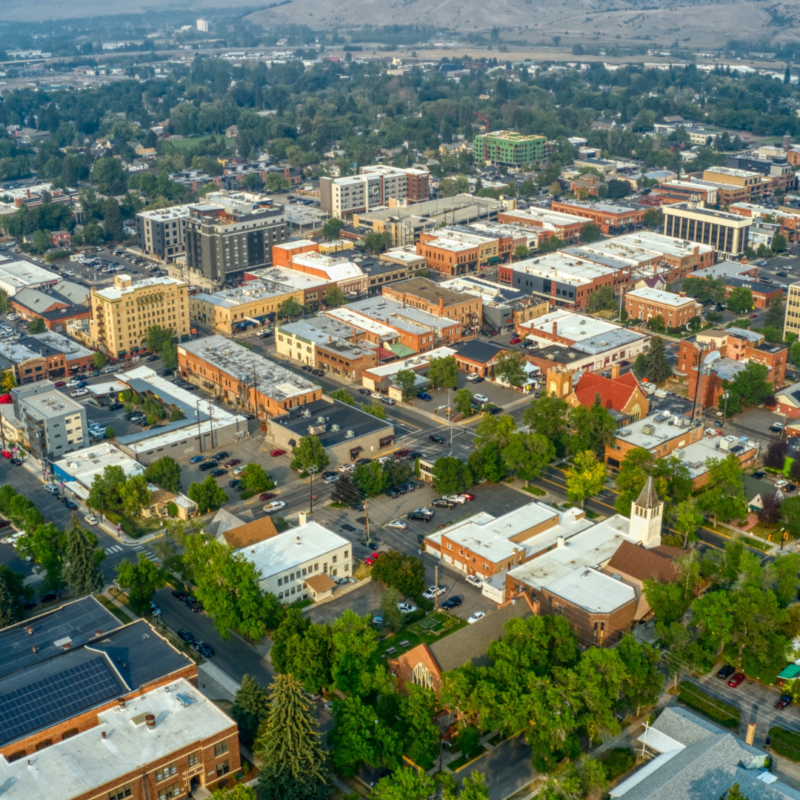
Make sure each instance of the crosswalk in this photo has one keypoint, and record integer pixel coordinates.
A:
(118, 548)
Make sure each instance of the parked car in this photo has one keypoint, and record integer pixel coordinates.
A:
(371, 559)
(266, 496)
(205, 650)
(79, 393)
(116, 406)
(71, 506)
(15, 462)
(451, 602)
(726, 672)
(389, 401)
(481, 398)
(364, 460)
(456, 498)
(776, 427)
(443, 502)
(377, 620)
(276, 453)
(434, 437)
(515, 340)
(467, 496)
(220, 456)
(233, 462)
(392, 493)
(477, 379)
(275, 505)
(759, 474)
(736, 680)
(236, 483)
(780, 484)
(196, 459)
(51, 488)
(329, 479)
(397, 523)
(365, 392)
(207, 465)
(401, 453)
(91, 519)
(406, 608)
(474, 580)
(218, 472)
(783, 701)
(422, 514)
(472, 377)
(424, 396)
(434, 591)
(478, 615)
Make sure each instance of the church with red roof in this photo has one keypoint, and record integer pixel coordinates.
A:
(621, 393)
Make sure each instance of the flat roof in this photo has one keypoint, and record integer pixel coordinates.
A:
(736, 173)
(319, 330)
(406, 253)
(724, 269)
(81, 763)
(56, 341)
(117, 292)
(546, 215)
(166, 214)
(18, 274)
(250, 292)
(290, 278)
(338, 418)
(684, 208)
(414, 320)
(428, 290)
(592, 590)
(85, 464)
(662, 298)
(241, 363)
(358, 320)
(569, 325)
(753, 284)
(419, 361)
(296, 546)
(606, 208)
(564, 268)
(50, 404)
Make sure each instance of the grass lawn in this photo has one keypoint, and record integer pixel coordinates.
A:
(302, 603)
(138, 526)
(427, 631)
(181, 145)
(338, 505)
(462, 761)
(362, 571)
(115, 610)
(534, 490)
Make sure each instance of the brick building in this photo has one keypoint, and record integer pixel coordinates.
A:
(610, 217)
(63, 303)
(763, 293)
(44, 356)
(118, 711)
(736, 347)
(284, 252)
(244, 378)
(619, 393)
(547, 222)
(675, 309)
(433, 298)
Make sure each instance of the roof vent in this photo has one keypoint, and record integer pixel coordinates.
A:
(150, 721)
(349, 434)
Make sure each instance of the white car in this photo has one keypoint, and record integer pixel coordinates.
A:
(472, 376)
(383, 459)
(346, 468)
(781, 484)
(481, 398)
(456, 498)
(275, 505)
(474, 580)
(79, 393)
(51, 488)
(398, 523)
(91, 519)
(376, 396)
(476, 616)
(12, 316)
(434, 591)
(406, 608)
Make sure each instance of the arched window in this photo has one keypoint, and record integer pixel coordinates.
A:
(422, 676)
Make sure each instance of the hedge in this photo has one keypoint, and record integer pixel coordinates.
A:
(724, 713)
(58, 255)
(785, 743)
(619, 761)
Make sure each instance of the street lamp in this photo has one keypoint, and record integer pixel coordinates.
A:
(725, 396)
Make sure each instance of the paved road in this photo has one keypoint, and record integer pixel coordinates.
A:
(507, 768)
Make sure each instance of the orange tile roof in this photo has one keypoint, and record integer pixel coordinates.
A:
(614, 392)
(403, 666)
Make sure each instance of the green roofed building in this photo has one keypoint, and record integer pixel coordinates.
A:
(509, 148)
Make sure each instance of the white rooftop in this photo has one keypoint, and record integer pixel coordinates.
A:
(249, 292)
(51, 404)
(336, 269)
(360, 321)
(294, 547)
(117, 292)
(570, 326)
(415, 362)
(76, 766)
(16, 275)
(406, 253)
(297, 244)
(564, 268)
(289, 278)
(545, 215)
(165, 214)
(592, 590)
(662, 298)
(84, 465)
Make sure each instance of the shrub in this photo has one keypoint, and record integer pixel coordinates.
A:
(423, 602)
(415, 616)
(724, 713)
(785, 743)
(619, 761)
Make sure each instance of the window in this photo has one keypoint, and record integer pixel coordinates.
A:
(222, 769)
(166, 772)
(194, 759)
(119, 794)
(280, 581)
(173, 790)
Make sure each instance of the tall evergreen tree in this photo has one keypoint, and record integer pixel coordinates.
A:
(656, 366)
(82, 572)
(294, 766)
(250, 708)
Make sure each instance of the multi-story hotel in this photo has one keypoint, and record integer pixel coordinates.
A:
(509, 148)
(123, 313)
(160, 233)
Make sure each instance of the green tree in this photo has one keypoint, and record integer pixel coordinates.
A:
(41, 242)
(404, 784)
(375, 409)
(5, 302)
(642, 683)
(406, 381)
(142, 579)
(276, 182)
(331, 229)
(370, 479)
(656, 366)
(422, 737)
(495, 428)
(293, 763)
(443, 372)
(304, 650)
(521, 251)
(135, 495)
(591, 232)
(749, 387)
(451, 476)
(36, 325)
(776, 312)
(158, 338)
(724, 495)
(740, 300)
(687, 520)
(547, 415)
(208, 495)
(528, 454)
(406, 573)
(449, 187)
(289, 308)
(169, 356)
(250, 707)
(82, 573)
(255, 479)
(236, 792)
(99, 359)
(486, 463)
(342, 396)
(735, 793)
(164, 472)
(391, 613)
(353, 646)
(46, 545)
(13, 593)
(309, 454)
(335, 297)
(586, 478)
(510, 367)
(593, 427)
(462, 402)
(779, 243)
(653, 218)
(782, 576)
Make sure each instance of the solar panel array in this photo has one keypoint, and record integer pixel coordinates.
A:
(55, 697)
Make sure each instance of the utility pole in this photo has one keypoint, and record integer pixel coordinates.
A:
(311, 495)
(199, 428)
(436, 586)
(366, 511)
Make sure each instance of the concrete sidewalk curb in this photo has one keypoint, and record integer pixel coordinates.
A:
(223, 681)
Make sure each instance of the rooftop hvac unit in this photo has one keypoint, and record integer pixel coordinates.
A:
(335, 427)
(648, 430)
(307, 413)
(322, 420)
(314, 430)
(678, 452)
(349, 434)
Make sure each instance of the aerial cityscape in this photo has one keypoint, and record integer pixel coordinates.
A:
(399, 406)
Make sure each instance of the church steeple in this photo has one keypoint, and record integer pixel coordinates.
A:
(647, 513)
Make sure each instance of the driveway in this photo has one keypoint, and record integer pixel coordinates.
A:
(507, 768)
(364, 600)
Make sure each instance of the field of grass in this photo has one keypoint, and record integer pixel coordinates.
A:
(189, 142)
(426, 631)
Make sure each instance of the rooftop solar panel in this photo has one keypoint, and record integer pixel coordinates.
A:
(56, 697)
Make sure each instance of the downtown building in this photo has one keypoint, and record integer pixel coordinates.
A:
(726, 233)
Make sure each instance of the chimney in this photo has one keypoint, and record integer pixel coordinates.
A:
(560, 542)
(150, 721)
(302, 519)
(104, 734)
(555, 328)
(121, 702)
(441, 306)
(33, 649)
(67, 645)
(681, 294)
(615, 372)
(751, 733)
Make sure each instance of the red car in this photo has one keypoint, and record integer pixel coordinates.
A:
(266, 496)
(370, 560)
(467, 495)
(59, 384)
(736, 680)
(276, 453)
(7, 454)
(753, 316)
(515, 340)
(401, 453)
(233, 462)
